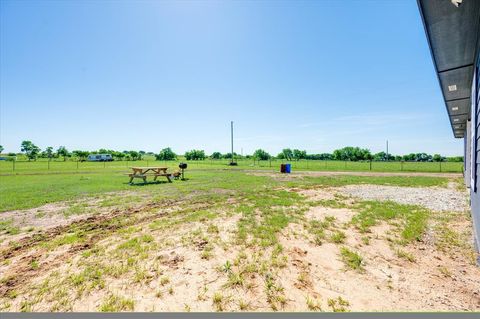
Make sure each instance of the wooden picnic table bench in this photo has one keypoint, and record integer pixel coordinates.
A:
(143, 172)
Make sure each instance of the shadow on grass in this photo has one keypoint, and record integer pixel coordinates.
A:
(156, 182)
(148, 183)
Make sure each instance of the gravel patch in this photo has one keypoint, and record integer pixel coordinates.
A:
(433, 198)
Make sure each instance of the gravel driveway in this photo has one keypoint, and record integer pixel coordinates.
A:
(434, 198)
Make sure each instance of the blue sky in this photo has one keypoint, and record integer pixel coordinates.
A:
(144, 75)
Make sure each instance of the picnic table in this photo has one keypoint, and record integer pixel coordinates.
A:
(143, 172)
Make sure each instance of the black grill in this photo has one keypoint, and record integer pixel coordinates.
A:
(183, 166)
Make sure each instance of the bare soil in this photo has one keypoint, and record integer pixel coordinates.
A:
(191, 265)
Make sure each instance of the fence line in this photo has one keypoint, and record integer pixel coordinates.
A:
(273, 164)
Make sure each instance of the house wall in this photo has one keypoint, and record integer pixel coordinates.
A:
(475, 158)
(467, 139)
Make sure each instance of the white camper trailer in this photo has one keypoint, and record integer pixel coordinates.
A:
(100, 158)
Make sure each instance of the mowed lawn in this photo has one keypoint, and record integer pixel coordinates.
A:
(30, 184)
(32, 188)
(43, 166)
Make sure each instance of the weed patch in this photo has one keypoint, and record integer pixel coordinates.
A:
(351, 259)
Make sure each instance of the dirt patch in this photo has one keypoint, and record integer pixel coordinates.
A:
(98, 227)
(193, 263)
(46, 216)
(316, 194)
(274, 175)
(434, 198)
(177, 277)
(387, 282)
(59, 214)
(343, 215)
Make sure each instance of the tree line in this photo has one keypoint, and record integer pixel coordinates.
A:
(32, 152)
(349, 153)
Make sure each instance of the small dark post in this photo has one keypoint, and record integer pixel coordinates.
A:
(13, 162)
(48, 163)
(370, 164)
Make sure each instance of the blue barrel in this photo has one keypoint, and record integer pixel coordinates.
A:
(288, 168)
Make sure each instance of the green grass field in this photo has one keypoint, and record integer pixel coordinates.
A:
(43, 166)
(25, 184)
(33, 188)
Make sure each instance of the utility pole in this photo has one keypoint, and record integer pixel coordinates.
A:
(387, 150)
(232, 161)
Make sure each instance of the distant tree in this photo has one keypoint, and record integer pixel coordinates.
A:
(423, 157)
(229, 155)
(365, 154)
(322, 156)
(216, 155)
(350, 153)
(134, 155)
(261, 155)
(166, 155)
(118, 155)
(81, 155)
(30, 150)
(26, 146)
(1, 149)
(195, 155)
(287, 154)
(380, 156)
(49, 152)
(281, 155)
(438, 158)
(298, 155)
(326, 156)
(409, 157)
(62, 151)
